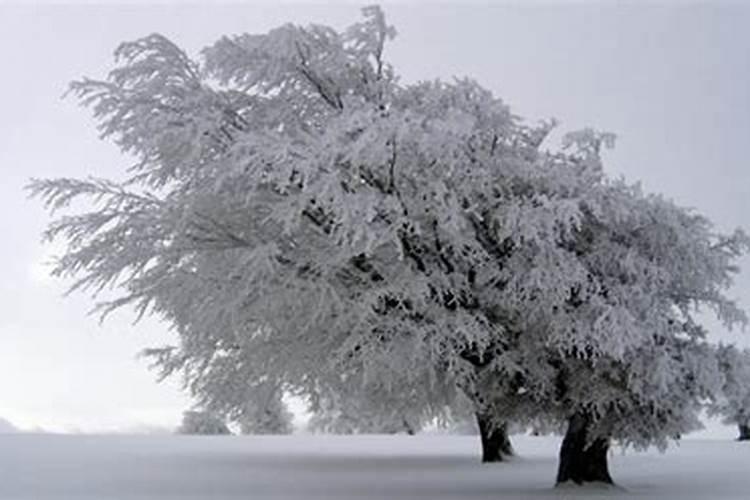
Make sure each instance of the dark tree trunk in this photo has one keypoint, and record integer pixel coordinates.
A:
(409, 429)
(496, 445)
(744, 432)
(581, 463)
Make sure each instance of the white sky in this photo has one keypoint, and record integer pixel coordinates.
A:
(672, 81)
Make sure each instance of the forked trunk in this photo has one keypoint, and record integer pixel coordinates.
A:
(744, 432)
(496, 445)
(582, 461)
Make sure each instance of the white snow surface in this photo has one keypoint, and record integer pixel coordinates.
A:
(430, 467)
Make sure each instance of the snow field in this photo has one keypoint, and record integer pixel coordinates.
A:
(429, 467)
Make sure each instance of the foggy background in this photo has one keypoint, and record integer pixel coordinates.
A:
(672, 80)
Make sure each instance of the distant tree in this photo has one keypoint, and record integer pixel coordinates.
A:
(202, 422)
(734, 404)
(242, 392)
(466, 426)
(266, 415)
(394, 403)
(304, 220)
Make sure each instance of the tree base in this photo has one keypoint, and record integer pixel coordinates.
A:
(744, 432)
(496, 445)
(580, 463)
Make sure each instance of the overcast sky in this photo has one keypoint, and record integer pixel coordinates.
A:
(672, 81)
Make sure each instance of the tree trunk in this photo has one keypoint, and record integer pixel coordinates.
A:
(496, 445)
(744, 432)
(581, 463)
(408, 428)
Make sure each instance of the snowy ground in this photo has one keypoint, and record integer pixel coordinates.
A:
(430, 467)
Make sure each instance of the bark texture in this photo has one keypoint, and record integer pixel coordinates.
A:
(582, 461)
(496, 445)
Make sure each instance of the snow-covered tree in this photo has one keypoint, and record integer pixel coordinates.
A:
(304, 220)
(301, 197)
(734, 403)
(647, 371)
(202, 422)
